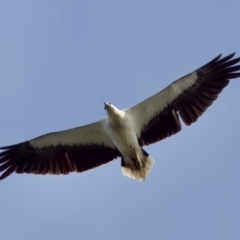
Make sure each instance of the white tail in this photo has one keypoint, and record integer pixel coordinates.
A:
(139, 174)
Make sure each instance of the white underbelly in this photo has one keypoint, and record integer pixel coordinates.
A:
(125, 139)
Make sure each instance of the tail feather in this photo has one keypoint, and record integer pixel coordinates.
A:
(139, 173)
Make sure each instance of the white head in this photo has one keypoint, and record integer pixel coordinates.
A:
(109, 107)
(112, 111)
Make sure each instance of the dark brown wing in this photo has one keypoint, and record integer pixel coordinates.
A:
(157, 117)
(60, 159)
(212, 78)
(77, 149)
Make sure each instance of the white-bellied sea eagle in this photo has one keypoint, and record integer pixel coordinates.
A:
(123, 133)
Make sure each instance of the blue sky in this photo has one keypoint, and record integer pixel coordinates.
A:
(61, 59)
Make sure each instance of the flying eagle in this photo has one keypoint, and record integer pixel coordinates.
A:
(123, 133)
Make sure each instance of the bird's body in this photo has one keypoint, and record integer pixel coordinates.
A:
(136, 163)
(123, 133)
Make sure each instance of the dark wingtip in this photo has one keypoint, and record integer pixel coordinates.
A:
(227, 58)
(5, 155)
(212, 61)
(2, 177)
(10, 146)
(6, 173)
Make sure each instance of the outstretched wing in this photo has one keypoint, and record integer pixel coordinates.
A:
(75, 150)
(158, 116)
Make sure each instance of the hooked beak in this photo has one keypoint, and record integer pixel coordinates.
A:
(105, 105)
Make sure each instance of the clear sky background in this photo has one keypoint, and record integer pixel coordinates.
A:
(61, 59)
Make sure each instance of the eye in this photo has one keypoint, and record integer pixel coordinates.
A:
(109, 103)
